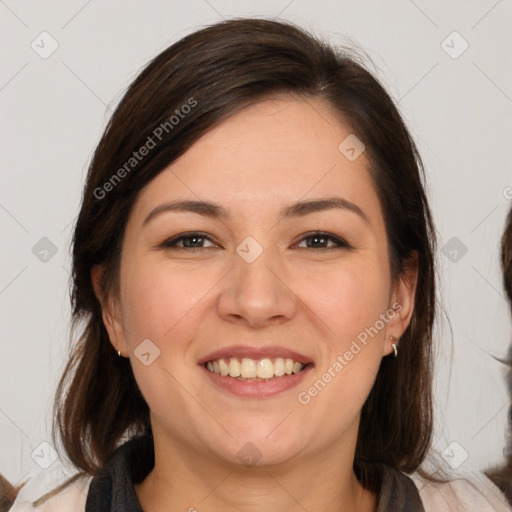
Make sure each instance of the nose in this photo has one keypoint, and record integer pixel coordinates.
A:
(256, 293)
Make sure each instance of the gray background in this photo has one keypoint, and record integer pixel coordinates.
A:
(458, 108)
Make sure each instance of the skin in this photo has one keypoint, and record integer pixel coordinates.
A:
(315, 301)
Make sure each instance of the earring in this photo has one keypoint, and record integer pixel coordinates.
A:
(119, 353)
(394, 345)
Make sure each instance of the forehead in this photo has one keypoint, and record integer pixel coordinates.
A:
(271, 153)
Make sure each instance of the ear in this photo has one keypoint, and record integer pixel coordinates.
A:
(111, 319)
(402, 303)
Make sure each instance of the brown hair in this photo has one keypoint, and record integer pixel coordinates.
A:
(506, 259)
(502, 476)
(223, 68)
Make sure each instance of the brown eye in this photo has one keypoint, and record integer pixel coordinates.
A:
(187, 241)
(320, 240)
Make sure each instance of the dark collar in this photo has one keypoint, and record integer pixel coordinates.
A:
(398, 493)
(112, 488)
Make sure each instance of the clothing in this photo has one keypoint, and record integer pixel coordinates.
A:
(112, 489)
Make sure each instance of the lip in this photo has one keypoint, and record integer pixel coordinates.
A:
(255, 353)
(256, 389)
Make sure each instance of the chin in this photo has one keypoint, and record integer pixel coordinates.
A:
(260, 445)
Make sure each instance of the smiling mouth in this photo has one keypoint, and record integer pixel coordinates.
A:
(254, 370)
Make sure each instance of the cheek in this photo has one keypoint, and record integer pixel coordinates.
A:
(164, 305)
(349, 297)
(162, 301)
(351, 302)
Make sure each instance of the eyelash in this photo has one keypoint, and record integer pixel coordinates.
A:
(171, 243)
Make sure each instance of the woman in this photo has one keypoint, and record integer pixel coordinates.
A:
(253, 261)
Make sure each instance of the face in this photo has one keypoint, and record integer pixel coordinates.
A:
(254, 283)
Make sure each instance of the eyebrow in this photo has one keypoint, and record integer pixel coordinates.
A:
(298, 209)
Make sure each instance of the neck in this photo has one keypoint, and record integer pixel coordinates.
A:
(193, 482)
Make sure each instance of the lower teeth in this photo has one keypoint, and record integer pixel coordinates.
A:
(252, 379)
(256, 379)
(259, 379)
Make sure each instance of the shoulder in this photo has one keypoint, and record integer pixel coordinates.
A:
(472, 492)
(69, 496)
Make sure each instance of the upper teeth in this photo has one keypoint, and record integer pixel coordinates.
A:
(250, 368)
